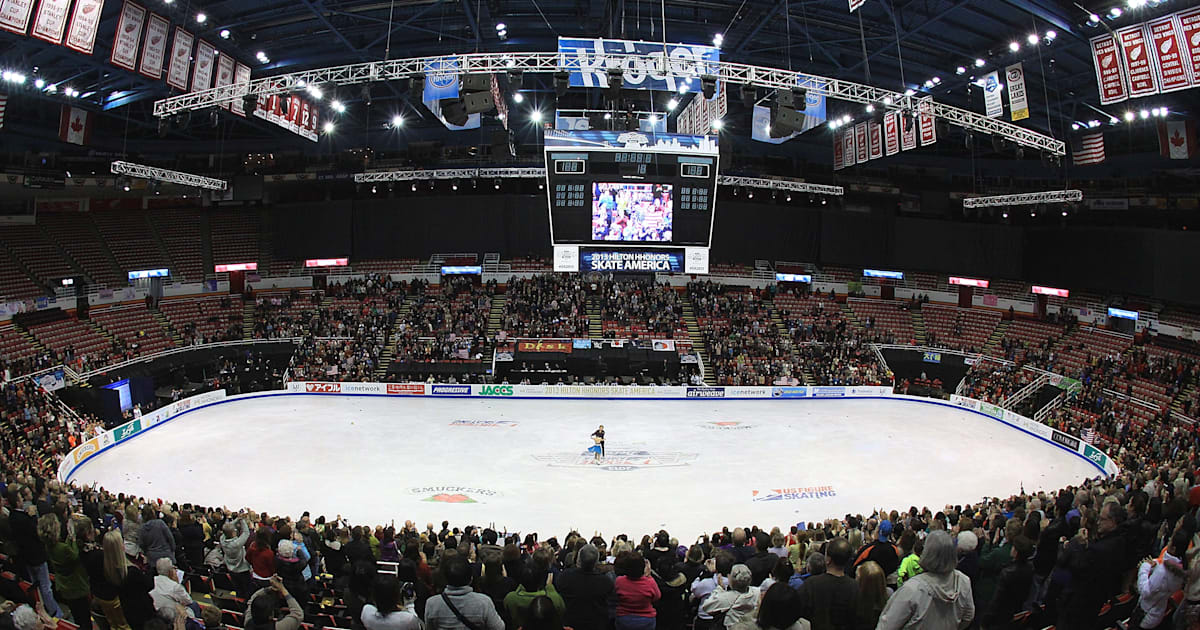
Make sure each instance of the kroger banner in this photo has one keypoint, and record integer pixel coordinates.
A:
(571, 123)
(441, 81)
(649, 65)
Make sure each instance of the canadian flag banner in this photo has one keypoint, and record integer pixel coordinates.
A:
(181, 59)
(1139, 63)
(85, 21)
(1168, 48)
(51, 20)
(129, 36)
(224, 74)
(838, 151)
(14, 15)
(1177, 139)
(73, 126)
(891, 132)
(155, 48)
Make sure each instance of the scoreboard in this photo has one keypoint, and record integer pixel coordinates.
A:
(630, 189)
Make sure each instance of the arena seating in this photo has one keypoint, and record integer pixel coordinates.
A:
(204, 319)
(180, 232)
(134, 325)
(964, 329)
(29, 245)
(76, 234)
(892, 317)
(79, 338)
(235, 236)
(130, 239)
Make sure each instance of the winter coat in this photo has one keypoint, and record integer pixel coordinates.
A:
(234, 549)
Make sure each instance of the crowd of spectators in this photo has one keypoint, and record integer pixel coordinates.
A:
(449, 324)
(548, 306)
(657, 308)
(993, 382)
(744, 344)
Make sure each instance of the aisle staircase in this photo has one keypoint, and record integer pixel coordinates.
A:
(992, 346)
(389, 346)
(918, 324)
(496, 316)
(595, 318)
(247, 318)
(1187, 393)
(166, 325)
(698, 344)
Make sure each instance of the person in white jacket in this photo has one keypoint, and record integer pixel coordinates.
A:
(734, 597)
(1159, 579)
(938, 598)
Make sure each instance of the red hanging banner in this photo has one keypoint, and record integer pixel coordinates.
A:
(1110, 70)
(1138, 62)
(181, 59)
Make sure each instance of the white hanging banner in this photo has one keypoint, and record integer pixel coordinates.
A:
(241, 76)
(51, 20)
(908, 132)
(202, 73)
(992, 99)
(1189, 34)
(1143, 75)
(181, 58)
(1018, 100)
(848, 151)
(224, 74)
(928, 130)
(129, 35)
(891, 132)
(855, 4)
(155, 47)
(85, 21)
(14, 15)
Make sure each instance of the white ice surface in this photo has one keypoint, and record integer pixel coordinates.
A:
(373, 459)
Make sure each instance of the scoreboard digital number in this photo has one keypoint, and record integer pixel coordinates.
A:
(631, 188)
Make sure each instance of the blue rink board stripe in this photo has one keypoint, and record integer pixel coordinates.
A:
(576, 398)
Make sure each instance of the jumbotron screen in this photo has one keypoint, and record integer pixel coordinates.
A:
(630, 188)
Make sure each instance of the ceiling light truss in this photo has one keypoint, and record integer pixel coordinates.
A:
(549, 62)
(143, 171)
(449, 173)
(1023, 199)
(780, 184)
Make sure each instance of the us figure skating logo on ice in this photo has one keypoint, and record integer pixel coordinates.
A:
(503, 424)
(620, 460)
(727, 425)
(794, 494)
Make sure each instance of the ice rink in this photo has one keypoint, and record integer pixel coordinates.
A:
(521, 465)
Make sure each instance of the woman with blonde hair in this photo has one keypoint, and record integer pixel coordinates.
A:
(131, 584)
(872, 594)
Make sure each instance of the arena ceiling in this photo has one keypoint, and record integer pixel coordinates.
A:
(896, 44)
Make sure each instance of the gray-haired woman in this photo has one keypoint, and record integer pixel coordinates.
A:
(938, 598)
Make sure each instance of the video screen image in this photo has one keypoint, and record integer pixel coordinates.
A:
(631, 212)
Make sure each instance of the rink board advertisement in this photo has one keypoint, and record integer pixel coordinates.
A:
(98, 444)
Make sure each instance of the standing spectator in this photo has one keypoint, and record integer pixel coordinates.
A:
(1012, 586)
(829, 600)
(535, 582)
(735, 597)
(1157, 581)
(881, 551)
(263, 605)
(910, 566)
(70, 577)
(584, 590)
(940, 597)
(155, 538)
(233, 549)
(1095, 568)
(872, 594)
(761, 563)
(543, 615)
(104, 592)
(192, 533)
(31, 552)
(458, 606)
(261, 556)
(780, 610)
(132, 585)
(393, 608)
(704, 585)
(671, 608)
(291, 560)
(636, 593)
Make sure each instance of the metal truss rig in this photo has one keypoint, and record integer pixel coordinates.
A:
(540, 173)
(143, 171)
(549, 62)
(1023, 199)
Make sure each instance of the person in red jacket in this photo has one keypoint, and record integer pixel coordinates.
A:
(261, 556)
(636, 593)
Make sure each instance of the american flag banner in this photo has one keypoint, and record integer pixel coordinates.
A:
(855, 4)
(1088, 435)
(3, 106)
(1088, 149)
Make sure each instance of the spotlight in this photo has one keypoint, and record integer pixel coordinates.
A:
(536, 116)
(201, 18)
(937, 80)
(1129, 116)
(909, 92)
(1014, 46)
(654, 119)
(39, 84)
(672, 104)
(1165, 112)
(1144, 114)
(224, 33)
(718, 39)
(374, 189)
(979, 63)
(1093, 18)
(338, 107)
(718, 124)
(750, 194)
(1004, 214)
(1050, 35)
(1074, 126)
(1032, 39)
(397, 121)
(414, 187)
(328, 127)
(870, 108)
(960, 70)
(1115, 12)
(1064, 213)
(789, 197)
(454, 185)
(518, 97)
(501, 26)
(496, 184)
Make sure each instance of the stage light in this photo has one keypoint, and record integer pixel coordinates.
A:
(518, 97)
(979, 63)
(887, 100)
(1115, 12)
(224, 33)
(1050, 35)
(414, 188)
(1032, 39)
(870, 108)
(1074, 126)
(937, 80)
(1165, 111)
(1129, 116)
(496, 185)
(328, 127)
(654, 119)
(374, 189)
(607, 115)
(201, 18)
(1014, 46)
(39, 84)
(846, 119)
(338, 107)
(909, 92)
(1093, 18)
(397, 121)
(536, 116)
(1145, 114)
(718, 39)
(1004, 214)
(928, 84)
(718, 124)
(960, 70)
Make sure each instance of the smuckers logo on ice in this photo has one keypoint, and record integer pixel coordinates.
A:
(506, 424)
(727, 425)
(793, 494)
(451, 390)
(706, 392)
(829, 392)
(789, 392)
(620, 459)
(454, 494)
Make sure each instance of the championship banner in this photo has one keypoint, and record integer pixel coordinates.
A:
(992, 99)
(891, 132)
(85, 21)
(1189, 37)
(1018, 99)
(1110, 72)
(588, 61)
(849, 154)
(925, 116)
(155, 48)
(839, 153)
(861, 150)
(181, 57)
(202, 73)
(542, 345)
(129, 35)
(241, 76)
(908, 132)
(1139, 65)
(14, 15)
(1167, 44)
(224, 74)
(51, 20)
(876, 142)
(300, 118)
